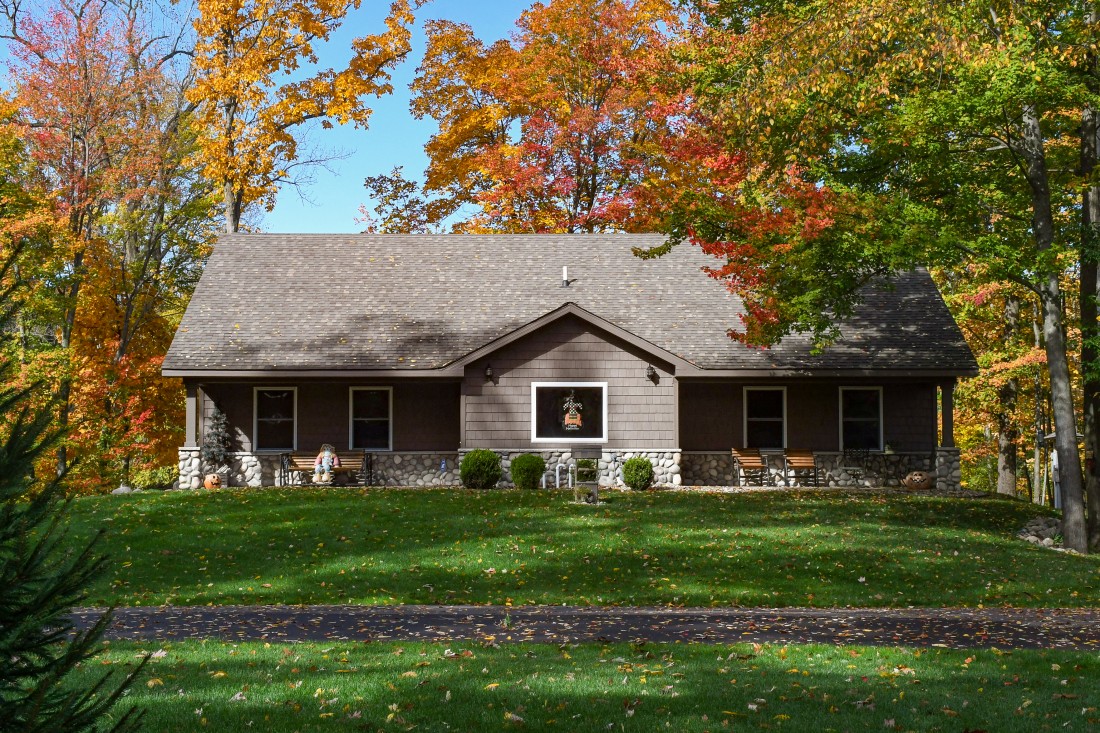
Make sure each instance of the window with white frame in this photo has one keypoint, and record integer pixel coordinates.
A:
(766, 417)
(371, 418)
(573, 412)
(275, 411)
(861, 418)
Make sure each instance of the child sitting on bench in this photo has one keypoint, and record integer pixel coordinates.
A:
(323, 465)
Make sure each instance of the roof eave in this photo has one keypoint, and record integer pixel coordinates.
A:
(938, 373)
(276, 373)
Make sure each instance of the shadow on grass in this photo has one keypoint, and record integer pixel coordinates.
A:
(337, 546)
(272, 687)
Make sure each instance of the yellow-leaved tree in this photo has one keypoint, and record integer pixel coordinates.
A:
(251, 91)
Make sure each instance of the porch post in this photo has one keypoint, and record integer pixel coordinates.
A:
(947, 414)
(190, 439)
(676, 411)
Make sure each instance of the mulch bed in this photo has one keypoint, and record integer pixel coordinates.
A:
(1071, 629)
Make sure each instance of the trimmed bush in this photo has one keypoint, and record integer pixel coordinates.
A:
(638, 473)
(527, 470)
(480, 469)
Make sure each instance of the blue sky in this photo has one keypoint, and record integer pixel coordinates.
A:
(394, 136)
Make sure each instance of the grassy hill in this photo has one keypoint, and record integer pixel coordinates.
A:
(656, 548)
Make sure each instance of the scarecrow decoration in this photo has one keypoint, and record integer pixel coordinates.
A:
(572, 409)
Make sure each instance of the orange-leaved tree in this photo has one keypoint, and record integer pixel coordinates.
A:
(253, 95)
(100, 108)
(561, 129)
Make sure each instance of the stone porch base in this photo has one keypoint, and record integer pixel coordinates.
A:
(671, 467)
(429, 468)
(702, 468)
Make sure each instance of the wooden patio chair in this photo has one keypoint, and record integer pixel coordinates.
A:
(748, 463)
(801, 464)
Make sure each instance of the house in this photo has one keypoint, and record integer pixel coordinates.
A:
(418, 348)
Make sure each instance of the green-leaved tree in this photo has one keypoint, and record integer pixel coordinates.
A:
(889, 134)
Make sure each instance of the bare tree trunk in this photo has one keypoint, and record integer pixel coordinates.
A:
(1037, 453)
(1006, 426)
(232, 209)
(1090, 332)
(1032, 150)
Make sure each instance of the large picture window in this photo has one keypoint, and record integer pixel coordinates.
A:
(861, 418)
(371, 418)
(275, 410)
(569, 412)
(766, 417)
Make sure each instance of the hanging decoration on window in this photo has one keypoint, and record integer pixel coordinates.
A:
(572, 407)
(569, 412)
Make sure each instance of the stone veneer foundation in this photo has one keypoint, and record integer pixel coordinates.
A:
(880, 469)
(670, 468)
(429, 468)
(245, 469)
(415, 469)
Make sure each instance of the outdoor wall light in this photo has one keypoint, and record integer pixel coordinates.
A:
(488, 372)
(650, 373)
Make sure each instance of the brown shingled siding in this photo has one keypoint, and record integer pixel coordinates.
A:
(641, 414)
(425, 413)
(909, 414)
(711, 416)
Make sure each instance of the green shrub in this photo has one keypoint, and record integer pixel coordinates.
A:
(480, 469)
(638, 473)
(155, 478)
(586, 469)
(527, 470)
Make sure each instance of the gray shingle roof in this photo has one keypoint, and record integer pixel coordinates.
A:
(363, 302)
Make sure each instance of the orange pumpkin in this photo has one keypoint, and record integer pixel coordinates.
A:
(919, 480)
(212, 481)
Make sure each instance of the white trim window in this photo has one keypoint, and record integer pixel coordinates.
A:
(568, 412)
(274, 418)
(861, 418)
(765, 417)
(370, 418)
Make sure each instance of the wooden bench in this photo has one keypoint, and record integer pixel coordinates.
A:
(300, 466)
(749, 462)
(801, 462)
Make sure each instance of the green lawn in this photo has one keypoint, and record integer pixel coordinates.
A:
(654, 548)
(204, 686)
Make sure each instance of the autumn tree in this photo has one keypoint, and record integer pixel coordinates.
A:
(43, 577)
(995, 420)
(560, 129)
(935, 133)
(253, 95)
(100, 106)
(400, 207)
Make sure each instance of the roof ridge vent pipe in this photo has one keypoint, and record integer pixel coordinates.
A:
(565, 276)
